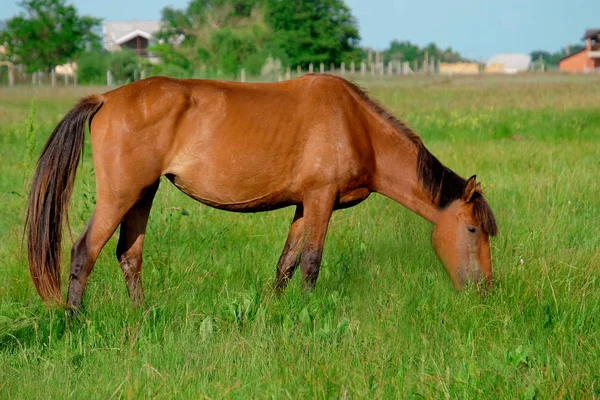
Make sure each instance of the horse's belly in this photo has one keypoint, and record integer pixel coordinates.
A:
(233, 189)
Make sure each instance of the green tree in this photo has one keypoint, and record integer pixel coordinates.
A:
(92, 67)
(122, 64)
(401, 51)
(225, 35)
(48, 33)
(407, 51)
(541, 56)
(313, 31)
(551, 60)
(217, 35)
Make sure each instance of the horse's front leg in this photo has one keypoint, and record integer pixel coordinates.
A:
(288, 262)
(318, 208)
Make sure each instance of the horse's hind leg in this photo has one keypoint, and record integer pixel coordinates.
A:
(131, 240)
(290, 256)
(86, 249)
(113, 203)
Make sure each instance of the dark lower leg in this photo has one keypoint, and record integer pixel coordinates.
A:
(317, 213)
(81, 262)
(290, 256)
(131, 266)
(311, 264)
(131, 241)
(85, 252)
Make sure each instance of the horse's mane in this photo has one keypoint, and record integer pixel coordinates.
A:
(441, 183)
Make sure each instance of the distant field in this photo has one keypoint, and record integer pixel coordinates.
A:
(384, 321)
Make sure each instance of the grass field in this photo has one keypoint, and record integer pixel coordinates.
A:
(384, 321)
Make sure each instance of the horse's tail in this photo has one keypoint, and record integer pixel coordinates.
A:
(50, 196)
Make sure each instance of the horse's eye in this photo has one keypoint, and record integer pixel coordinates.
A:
(471, 229)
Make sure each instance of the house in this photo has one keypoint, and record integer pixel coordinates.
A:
(133, 35)
(508, 63)
(587, 59)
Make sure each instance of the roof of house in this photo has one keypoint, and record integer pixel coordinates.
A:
(518, 62)
(119, 32)
(591, 34)
(131, 35)
(572, 54)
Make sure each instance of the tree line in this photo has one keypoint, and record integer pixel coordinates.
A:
(206, 38)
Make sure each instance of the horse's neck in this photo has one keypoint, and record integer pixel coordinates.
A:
(397, 177)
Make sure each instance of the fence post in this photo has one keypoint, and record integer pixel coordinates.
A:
(343, 69)
(243, 75)
(143, 74)
(299, 69)
(109, 78)
(53, 77)
(39, 78)
(310, 68)
(390, 68)
(11, 75)
(288, 73)
(372, 69)
(352, 68)
(332, 68)
(322, 68)
(363, 68)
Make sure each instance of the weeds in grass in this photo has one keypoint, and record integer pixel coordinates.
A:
(31, 135)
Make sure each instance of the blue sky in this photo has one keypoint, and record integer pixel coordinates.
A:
(476, 28)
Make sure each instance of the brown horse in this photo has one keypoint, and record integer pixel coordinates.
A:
(317, 143)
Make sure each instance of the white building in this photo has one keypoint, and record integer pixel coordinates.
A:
(509, 63)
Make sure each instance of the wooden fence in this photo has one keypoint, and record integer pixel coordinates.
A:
(16, 75)
(362, 70)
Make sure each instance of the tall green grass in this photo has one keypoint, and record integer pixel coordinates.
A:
(384, 321)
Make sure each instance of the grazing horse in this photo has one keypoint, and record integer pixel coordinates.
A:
(316, 142)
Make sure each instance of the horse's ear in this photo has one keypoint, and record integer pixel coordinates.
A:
(471, 187)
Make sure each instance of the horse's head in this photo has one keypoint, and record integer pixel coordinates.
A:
(461, 237)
